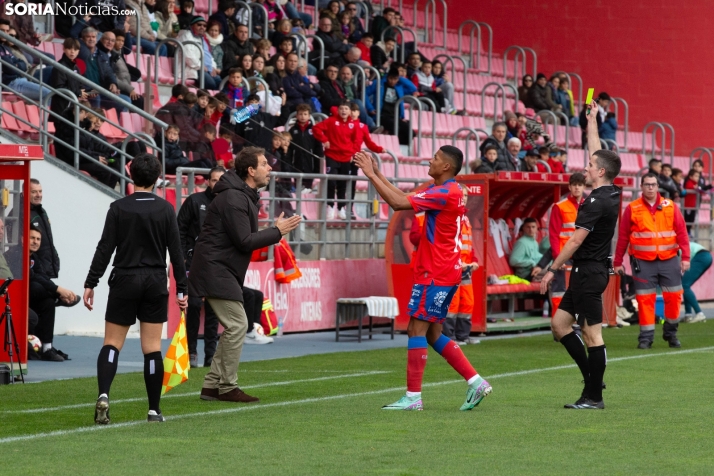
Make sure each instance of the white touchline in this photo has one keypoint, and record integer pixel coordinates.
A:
(85, 429)
(193, 394)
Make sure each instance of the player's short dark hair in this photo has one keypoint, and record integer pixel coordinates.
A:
(247, 158)
(454, 155)
(179, 90)
(654, 161)
(610, 161)
(145, 170)
(577, 179)
(649, 175)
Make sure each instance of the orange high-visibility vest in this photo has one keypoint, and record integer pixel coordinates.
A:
(466, 241)
(568, 211)
(652, 236)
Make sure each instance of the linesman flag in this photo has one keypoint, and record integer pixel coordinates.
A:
(176, 361)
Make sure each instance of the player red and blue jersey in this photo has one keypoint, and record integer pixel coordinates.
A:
(437, 267)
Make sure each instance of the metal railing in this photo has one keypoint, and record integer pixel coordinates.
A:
(662, 127)
(365, 9)
(412, 102)
(322, 48)
(176, 61)
(432, 4)
(401, 31)
(450, 59)
(265, 18)
(499, 88)
(615, 101)
(520, 53)
(378, 93)
(477, 25)
(470, 132)
(302, 45)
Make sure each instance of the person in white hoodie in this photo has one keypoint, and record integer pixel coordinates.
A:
(191, 40)
(426, 86)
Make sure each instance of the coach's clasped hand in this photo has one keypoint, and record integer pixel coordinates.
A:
(286, 225)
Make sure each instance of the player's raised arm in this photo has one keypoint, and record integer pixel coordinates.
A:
(391, 194)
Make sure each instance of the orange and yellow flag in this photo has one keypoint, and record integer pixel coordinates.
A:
(176, 361)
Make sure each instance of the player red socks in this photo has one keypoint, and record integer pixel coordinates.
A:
(416, 362)
(453, 354)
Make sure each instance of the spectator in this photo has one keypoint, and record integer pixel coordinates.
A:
(46, 254)
(335, 47)
(275, 14)
(513, 127)
(538, 94)
(691, 199)
(498, 139)
(489, 163)
(677, 176)
(352, 56)
(191, 39)
(565, 96)
(530, 163)
(215, 39)
(331, 92)
(332, 11)
(382, 22)
(175, 157)
(426, 85)
(555, 160)
(525, 255)
(551, 97)
(284, 48)
(168, 23)
(147, 36)
(190, 221)
(259, 130)
(363, 135)
(304, 150)
(393, 88)
(235, 88)
(235, 47)
(608, 129)
(223, 17)
(603, 102)
(177, 112)
(701, 261)
(222, 148)
(524, 91)
(12, 78)
(337, 135)
(186, 15)
(43, 74)
(349, 85)
(380, 54)
(99, 69)
(122, 71)
(44, 297)
(203, 156)
(282, 31)
(96, 146)
(202, 98)
(99, 22)
(275, 77)
(666, 182)
(698, 165)
(345, 25)
(443, 82)
(298, 89)
(655, 166)
(413, 64)
(514, 150)
(262, 48)
(357, 30)
(365, 46)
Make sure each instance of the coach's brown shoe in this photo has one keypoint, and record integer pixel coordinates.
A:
(237, 395)
(209, 393)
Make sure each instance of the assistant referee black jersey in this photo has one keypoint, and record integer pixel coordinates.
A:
(140, 227)
(598, 215)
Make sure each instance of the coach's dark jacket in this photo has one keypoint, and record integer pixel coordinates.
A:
(227, 240)
(190, 221)
(47, 254)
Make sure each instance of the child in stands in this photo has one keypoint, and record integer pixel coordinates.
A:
(304, 149)
(203, 154)
(235, 89)
(175, 157)
(202, 102)
(223, 149)
(426, 85)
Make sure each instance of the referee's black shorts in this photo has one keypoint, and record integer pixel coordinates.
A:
(583, 298)
(138, 293)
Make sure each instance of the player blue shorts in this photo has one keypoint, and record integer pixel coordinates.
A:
(430, 302)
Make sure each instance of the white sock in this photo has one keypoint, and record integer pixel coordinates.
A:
(474, 379)
(152, 412)
(413, 394)
(46, 347)
(103, 395)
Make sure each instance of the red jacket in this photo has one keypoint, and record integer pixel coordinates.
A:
(366, 54)
(362, 136)
(690, 199)
(342, 136)
(623, 235)
(556, 166)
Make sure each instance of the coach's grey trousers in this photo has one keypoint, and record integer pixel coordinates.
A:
(224, 367)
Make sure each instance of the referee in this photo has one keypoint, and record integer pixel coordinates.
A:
(590, 249)
(140, 227)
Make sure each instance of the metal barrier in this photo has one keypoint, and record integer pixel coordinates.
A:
(322, 48)
(549, 116)
(176, 56)
(477, 25)
(515, 98)
(520, 52)
(265, 18)
(698, 154)
(138, 32)
(450, 59)
(363, 86)
(378, 93)
(432, 3)
(241, 5)
(302, 41)
(401, 31)
(654, 125)
(499, 87)
(626, 122)
(471, 132)
(545, 164)
(412, 102)
(365, 9)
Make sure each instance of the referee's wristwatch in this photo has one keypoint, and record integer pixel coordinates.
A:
(551, 270)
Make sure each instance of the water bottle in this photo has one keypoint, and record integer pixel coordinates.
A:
(245, 113)
(546, 308)
(281, 321)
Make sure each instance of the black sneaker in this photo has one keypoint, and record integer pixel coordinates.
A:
(62, 354)
(644, 345)
(585, 403)
(51, 355)
(60, 302)
(101, 411)
(154, 417)
(674, 343)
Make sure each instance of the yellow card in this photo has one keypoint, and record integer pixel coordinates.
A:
(590, 96)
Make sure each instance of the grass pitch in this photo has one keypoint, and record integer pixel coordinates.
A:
(321, 415)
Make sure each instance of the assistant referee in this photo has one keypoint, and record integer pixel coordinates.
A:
(590, 249)
(140, 227)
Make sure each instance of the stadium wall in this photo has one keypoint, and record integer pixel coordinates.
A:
(652, 54)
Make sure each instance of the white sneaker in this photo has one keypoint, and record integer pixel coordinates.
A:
(305, 191)
(257, 336)
(700, 317)
(621, 322)
(330, 213)
(474, 340)
(461, 342)
(342, 214)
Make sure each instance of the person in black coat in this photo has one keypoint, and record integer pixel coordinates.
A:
(226, 10)
(47, 253)
(302, 141)
(235, 47)
(297, 89)
(190, 220)
(177, 112)
(331, 92)
(220, 261)
(334, 45)
(60, 79)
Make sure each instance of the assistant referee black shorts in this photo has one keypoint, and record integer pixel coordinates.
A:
(138, 293)
(583, 298)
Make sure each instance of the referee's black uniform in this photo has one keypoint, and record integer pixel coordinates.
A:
(588, 280)
(141, 227)
(590, 275)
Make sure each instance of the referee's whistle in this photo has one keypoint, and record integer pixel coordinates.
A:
(589, 99)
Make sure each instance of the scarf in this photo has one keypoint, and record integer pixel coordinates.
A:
(215, 41)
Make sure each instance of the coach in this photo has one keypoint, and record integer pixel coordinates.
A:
(655, 231)
(220, 261)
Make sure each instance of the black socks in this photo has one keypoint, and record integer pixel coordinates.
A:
(576, 349)
(597, 359)
(153, 378)
(107, 367)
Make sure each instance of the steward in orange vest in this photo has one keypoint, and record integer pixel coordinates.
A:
(655, 232)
